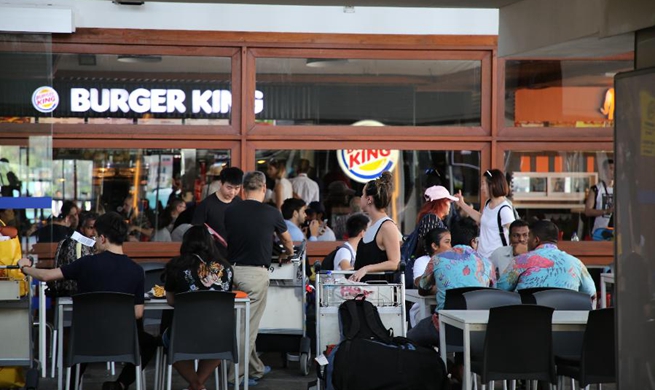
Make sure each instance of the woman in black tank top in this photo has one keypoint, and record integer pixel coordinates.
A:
(379, 250)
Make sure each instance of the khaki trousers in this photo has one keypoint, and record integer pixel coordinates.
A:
(253, 281)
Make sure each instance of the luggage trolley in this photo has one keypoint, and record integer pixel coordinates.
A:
(16, 344)
(283, 324)
(389, 299)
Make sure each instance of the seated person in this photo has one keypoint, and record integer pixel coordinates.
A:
(435, 241)
(344, 259)
(316, 211)
(293, 212)
(545, 265)
(199, 267)
(518, 245)
(462, 266)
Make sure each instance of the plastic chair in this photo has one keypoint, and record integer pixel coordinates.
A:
(455, 301)
(596, 363)
(524, 353)
(203, 328)
(561, 299)
(487, 299)
(103, 330)
(153, 275)
(527, 294)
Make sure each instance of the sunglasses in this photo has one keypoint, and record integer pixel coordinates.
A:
(431, 171)
(488, 174)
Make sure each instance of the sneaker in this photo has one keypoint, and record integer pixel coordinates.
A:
(267, 369)
(251, 382)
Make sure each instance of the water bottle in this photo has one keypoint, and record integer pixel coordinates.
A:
(574, 237)
(328, 287)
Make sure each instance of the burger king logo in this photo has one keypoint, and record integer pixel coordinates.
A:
(45, 99)
(364, 165)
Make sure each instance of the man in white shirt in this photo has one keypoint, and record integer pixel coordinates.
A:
(599, 203)
(518, 245)
(303, 187)
(356, 225)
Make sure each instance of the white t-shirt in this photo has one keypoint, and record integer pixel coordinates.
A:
(604, 198)
(347, 253)
(420, 265)
(489, 232)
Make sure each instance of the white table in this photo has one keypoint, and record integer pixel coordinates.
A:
(476, 320)
(605, 279)
(66, 304)
(425, 303)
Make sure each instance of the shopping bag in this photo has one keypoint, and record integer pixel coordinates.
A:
(10, 253)
(11, 377)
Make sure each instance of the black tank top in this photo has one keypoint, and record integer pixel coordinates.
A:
(370, 253)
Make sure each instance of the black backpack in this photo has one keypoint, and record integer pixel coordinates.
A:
(501, 231)
(328, 262)
(371, 358)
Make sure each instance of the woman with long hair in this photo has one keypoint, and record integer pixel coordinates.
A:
(198, 267)
(498, 208)
(433, 213)
(283, 190)
(379, 249)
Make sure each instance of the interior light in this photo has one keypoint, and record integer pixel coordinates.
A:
(134, 59)
(325, 62)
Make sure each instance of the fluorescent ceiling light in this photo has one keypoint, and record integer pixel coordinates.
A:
(133, 59)
(325, 62)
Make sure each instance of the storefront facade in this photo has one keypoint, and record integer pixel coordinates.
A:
(140, 109)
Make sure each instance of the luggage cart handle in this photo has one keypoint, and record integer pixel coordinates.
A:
(16, 266)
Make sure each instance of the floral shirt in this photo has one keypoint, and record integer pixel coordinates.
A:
(459, 267)
(547, 266)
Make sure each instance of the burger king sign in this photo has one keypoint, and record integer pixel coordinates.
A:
(45, 99)
(363, 165)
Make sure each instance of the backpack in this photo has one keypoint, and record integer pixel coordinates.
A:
(328, 261)
(501, 231)
(369, 357)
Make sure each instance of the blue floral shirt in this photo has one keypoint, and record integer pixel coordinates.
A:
(459, 267)
(547, 266)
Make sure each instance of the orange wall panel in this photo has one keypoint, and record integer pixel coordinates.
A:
(559, 104)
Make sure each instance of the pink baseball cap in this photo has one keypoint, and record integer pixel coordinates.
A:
(438, 192)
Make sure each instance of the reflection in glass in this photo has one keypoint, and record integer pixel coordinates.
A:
(297, 91)
(414, 171)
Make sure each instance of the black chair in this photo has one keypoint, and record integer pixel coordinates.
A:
(153, 275)
(596, 363)
(562, 299)
(487, 299)
(455, 301)
(103, 330)
(203, 328)
(518, 345)
(527, 294)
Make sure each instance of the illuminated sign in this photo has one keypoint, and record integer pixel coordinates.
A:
(608, 104)
(45, 99)
(363, 165)
(142, 100)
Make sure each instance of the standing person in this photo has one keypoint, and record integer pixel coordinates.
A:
(344, 259)
(316, 212)
(294, 212)
(110, 270)
(545, 265)
(199, 267)
(599, 204)
(61, 227)
(212, 210)
(283, 189)
(250, 225)
(379, 249)
(432, 214)
(304, 187)
(518, 245)
(498, 208)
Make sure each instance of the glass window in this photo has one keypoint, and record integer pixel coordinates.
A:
(124, 89)
(555, 185)
(342, 174)
(314, 91)
(138, 183)
(561, 93)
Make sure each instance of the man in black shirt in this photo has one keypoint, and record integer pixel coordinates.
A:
(250, 226)
(110, 270)
(212, 210)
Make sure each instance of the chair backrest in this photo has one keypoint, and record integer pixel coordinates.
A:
(486, 299)
(598, 360)
(153, 272)
(455, 297)
(203, 327)
(527, 294)
(103, 329)
(519, 344)
(562, 299)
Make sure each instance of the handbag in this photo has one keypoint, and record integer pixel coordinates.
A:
(10, 253)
